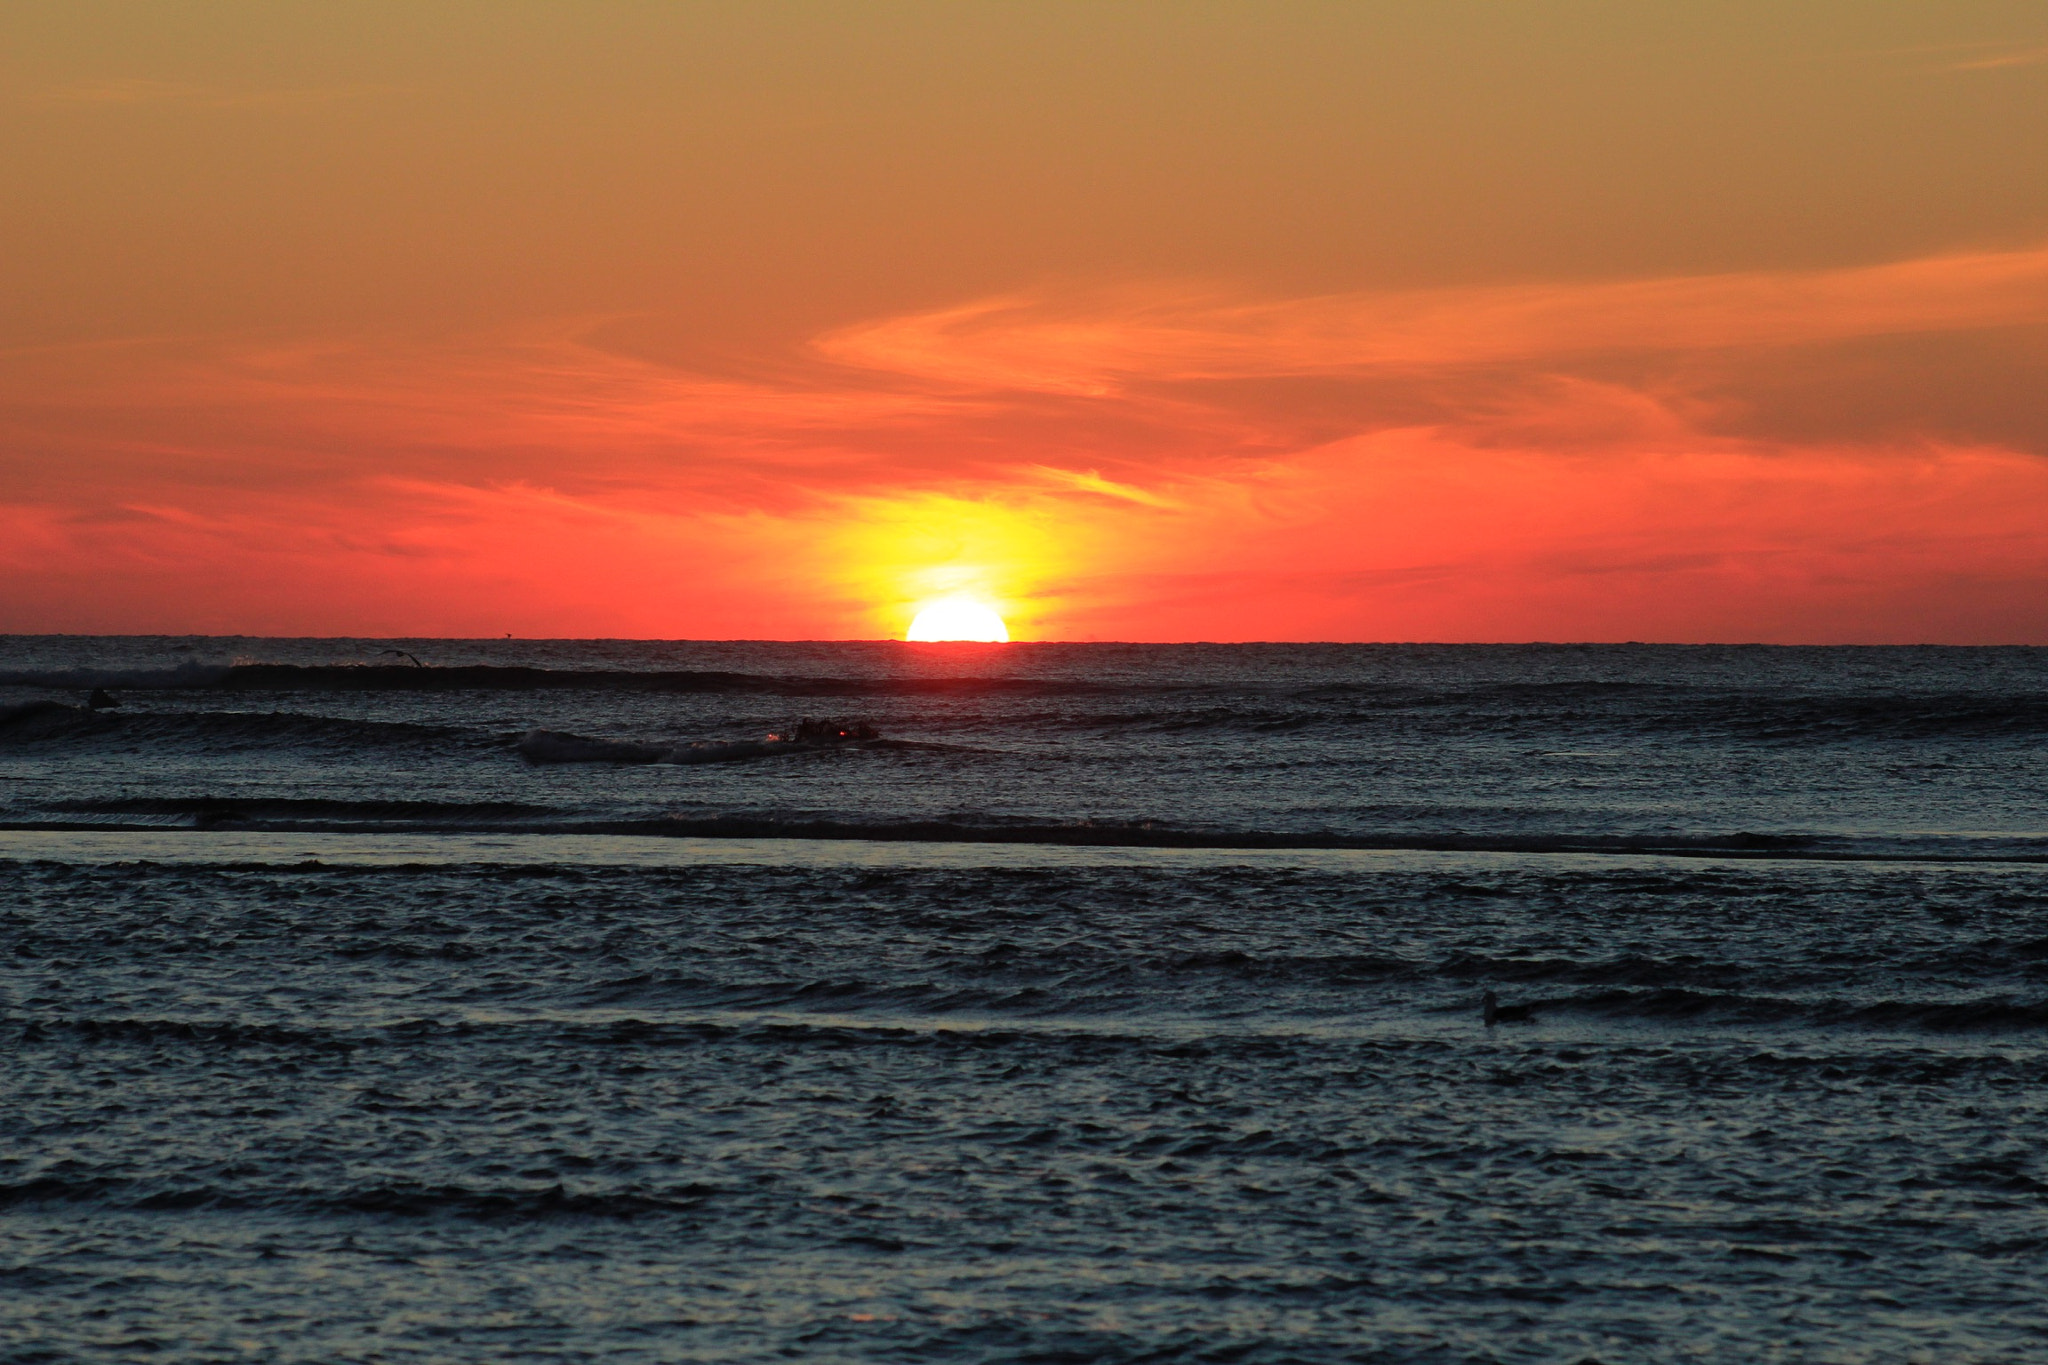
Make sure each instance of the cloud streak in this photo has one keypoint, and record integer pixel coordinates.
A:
(140, 92)
(2029, 56)
(1094, 345)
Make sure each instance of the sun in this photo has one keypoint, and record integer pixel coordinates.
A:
(958, 618)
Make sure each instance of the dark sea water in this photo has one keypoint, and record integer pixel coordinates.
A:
(1116, 1003)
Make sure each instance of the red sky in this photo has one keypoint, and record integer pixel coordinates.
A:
(1699, 321)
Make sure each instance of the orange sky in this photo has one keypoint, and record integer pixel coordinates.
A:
(1590, 321)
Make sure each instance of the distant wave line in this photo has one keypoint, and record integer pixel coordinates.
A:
(259, 816)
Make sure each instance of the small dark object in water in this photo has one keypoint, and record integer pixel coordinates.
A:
(808, 731)
(1493, 1012)
(549, 746)
(101, 700)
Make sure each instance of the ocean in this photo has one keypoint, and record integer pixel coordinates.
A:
(459, 1000)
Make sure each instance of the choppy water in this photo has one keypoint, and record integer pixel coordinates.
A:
(1119, 1004)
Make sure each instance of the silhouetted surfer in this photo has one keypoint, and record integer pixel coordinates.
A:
(101, 700)
(1493, 1012)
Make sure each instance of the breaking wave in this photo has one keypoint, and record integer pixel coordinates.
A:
(551, 746)
(43, 722)
(403, 1199)
(313, 815)
(1197, 702)
(187, 674)
(1678, 1004)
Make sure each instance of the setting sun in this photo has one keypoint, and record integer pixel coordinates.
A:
(958, 618)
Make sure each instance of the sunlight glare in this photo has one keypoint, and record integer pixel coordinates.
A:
(958, 618)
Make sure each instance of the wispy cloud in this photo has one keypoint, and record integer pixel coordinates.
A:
(1976, 55)
(2026, 56)
(1091, 481)
(1094, 344)
(119, 92)
(1123, 463)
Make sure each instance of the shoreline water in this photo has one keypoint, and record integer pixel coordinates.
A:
(340, 1000)
(55, 841)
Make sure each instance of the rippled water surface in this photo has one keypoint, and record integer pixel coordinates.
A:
(1131, 1012)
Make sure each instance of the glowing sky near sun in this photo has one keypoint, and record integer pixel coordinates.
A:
(1710, 320)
